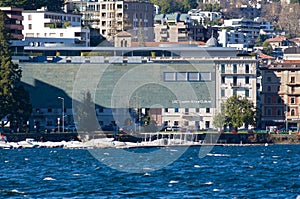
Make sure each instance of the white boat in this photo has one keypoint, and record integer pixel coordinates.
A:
(28, 143)
(4, 145)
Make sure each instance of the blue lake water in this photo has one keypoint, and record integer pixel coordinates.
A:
(225, 172)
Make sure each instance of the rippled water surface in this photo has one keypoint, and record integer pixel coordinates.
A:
(225, 172)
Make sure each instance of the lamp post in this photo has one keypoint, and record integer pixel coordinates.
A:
(62, 113)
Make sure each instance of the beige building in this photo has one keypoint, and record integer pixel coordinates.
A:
(111, 17)
(281, 94)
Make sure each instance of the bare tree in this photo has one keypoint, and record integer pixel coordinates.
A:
(289, 19)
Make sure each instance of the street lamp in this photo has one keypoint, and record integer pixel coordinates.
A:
(62, 113)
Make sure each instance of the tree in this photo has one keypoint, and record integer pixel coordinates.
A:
(219, 120)
(267, 48)
(290, 22)
(85, 114)
(14, 99)
(239, 111)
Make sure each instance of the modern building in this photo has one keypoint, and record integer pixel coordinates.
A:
(173, 85)
(202, 17)
(243, 32)
(179, 28)
(44, 28)
(112, 17)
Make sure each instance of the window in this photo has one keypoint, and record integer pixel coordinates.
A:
(247, 92)
(279, 112)
(247, 69)
(269, 100)
(30, 26)
(166, 110)
(234, 68)
(176, 110)
(103, 6)
(194, 76)
(293, 112)
(197, 110)
(29, 17)
(269, 79)
(205, 76)
(293, 89)
(119, 6)
(207, 124)
(234, 81)
(269, 111)
(246, 80)
(279, 101)
(222, 68)
(222, 92)
(207, 110)
(234, 92)
(222, 80)
(61, 34)
(292, 80)
(169, 76)
(181, 76)
(186, 110)
(269, 88)
(49, 110)
(292, 100)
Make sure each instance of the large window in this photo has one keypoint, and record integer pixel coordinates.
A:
(187, 76)
(193, 76)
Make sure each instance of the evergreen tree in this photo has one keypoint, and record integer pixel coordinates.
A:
(14, 100)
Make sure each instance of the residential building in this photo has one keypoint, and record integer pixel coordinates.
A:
(14, 23)
(179, 28)
(44, 28)
(240, 31)
(280, 95)
(111, 17)
(202, 17)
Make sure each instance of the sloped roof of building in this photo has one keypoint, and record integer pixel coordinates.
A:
(264, 56)
(277, 39)
(123, 34)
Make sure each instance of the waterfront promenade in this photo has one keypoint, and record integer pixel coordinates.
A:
(122, 140)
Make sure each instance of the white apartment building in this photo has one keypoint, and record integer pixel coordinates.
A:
(203, 16)
(44, 28)
(243, 32)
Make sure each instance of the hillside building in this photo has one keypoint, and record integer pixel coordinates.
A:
(44, 28)
(112, 17)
